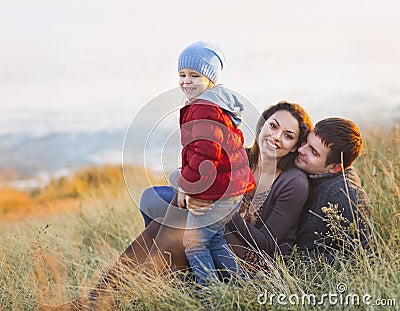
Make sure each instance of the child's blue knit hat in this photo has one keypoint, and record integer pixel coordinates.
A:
(204, 57)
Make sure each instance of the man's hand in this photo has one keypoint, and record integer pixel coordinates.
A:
(197, 207)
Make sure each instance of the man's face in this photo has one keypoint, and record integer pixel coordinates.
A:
(312, 156)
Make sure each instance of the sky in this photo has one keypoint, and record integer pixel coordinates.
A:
(92, 64)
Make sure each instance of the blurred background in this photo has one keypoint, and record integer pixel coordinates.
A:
(74, 74)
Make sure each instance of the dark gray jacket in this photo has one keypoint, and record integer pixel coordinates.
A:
(280, 215)
(352, 203)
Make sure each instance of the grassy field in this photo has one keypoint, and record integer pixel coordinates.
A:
(54, 244)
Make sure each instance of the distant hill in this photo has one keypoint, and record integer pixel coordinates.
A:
(29, 155)
(52, 154)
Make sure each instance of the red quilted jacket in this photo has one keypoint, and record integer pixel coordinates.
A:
(214, 161)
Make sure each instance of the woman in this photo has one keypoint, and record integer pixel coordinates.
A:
(267, 220)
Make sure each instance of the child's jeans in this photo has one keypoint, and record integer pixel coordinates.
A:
(205, 245)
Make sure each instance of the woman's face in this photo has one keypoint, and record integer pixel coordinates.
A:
(193, 83)
(279, 135)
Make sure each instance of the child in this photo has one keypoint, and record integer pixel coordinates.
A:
(214, 161)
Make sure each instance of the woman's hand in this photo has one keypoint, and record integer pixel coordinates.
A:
(197, 207)
(181, 199)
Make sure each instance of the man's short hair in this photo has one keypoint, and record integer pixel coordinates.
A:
(340, 136)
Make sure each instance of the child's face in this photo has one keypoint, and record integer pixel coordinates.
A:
(193, 83)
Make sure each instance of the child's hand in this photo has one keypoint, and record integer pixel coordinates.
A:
(198, 207)
(181, 199)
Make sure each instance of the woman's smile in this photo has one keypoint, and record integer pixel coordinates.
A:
(272, 145)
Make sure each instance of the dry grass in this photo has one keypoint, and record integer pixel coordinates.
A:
(57, 257)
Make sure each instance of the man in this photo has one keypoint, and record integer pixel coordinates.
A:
(334, 217)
